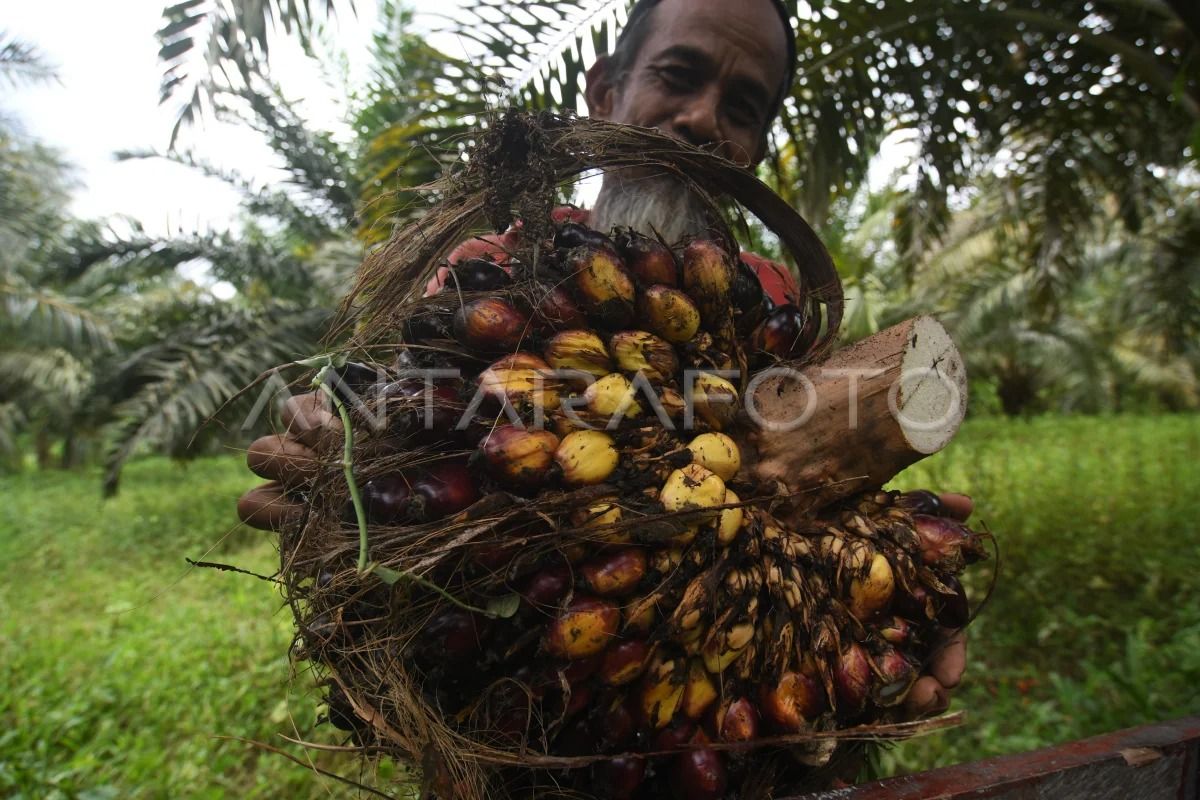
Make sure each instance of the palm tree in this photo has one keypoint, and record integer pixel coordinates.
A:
(289, 279)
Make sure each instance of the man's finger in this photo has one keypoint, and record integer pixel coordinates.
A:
(281, 458)
(268, 508)
(308, 418)
(958, 506)
(950, 661)
(926, 698)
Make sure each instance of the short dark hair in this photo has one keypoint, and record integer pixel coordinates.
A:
(637, 28)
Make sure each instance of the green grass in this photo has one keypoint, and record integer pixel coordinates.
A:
(122, 670)
(1094, 623)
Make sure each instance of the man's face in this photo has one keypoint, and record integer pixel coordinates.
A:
(707, 73)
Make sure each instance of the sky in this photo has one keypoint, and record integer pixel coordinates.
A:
(106, 100)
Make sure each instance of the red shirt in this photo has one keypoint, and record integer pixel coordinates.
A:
(776, 281)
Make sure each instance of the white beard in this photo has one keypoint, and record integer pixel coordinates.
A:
(654, 205)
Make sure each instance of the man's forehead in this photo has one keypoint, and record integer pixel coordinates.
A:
(751, 29)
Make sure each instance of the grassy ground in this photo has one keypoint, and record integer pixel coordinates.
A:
(122, 671)
(1094, 623)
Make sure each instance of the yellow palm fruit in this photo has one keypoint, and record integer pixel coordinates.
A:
(692, 487)
(717, 452)
(870, 593)
(579, 350)
(523, 380)
(586, 457)
(639, 351)
(731, 519)
(612, 395)
(670, 313)
(714, 400)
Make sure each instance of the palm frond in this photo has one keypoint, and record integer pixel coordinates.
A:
(41, 316)
(174, 387)
(201, 42)
(540, 49)
(258, 201)
(22, 62)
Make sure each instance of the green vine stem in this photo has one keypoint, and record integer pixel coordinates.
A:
(502, 607)
(347, 462)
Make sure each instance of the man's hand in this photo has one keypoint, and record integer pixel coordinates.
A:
(930, 695)
(287, 460)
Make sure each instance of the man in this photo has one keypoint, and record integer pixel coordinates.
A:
(710, 72)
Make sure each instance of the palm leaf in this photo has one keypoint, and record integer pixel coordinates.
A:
(21, 62)
(201, 42)
(174, 387)
(41, 316)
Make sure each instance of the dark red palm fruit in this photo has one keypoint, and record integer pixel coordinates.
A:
(617, 573)
(852, 679)
(896, 676)
(513, 724)
(556, 311)
(477, 275)
(896, 631)
(579, 670)
(921, 501)
(354, 382)
(617, 726)
(946, 543)
(787, 333)
(410, 409)
(427, 324)
(624, 662)
(571, 235)
(678, 734)
(444, 488)
(914, 603)
(580, 699)
(747, 297)
(453, 636)
(700, 775)
(739, 723)
(490, 324)
(954, 611)
(619, 778)
(386, 499)
(494, 557)
(340, 714)
(793, 702)
(650, 261)
(547, 588)
(527, 685)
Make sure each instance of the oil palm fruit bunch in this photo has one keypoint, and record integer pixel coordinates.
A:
(660, 607)
(538, 560)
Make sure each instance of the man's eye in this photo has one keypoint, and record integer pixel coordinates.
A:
(744, 114)
(676, 78)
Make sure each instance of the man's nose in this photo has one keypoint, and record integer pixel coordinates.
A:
(697, 122)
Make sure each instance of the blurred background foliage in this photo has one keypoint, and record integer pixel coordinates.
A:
(1046, 205)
